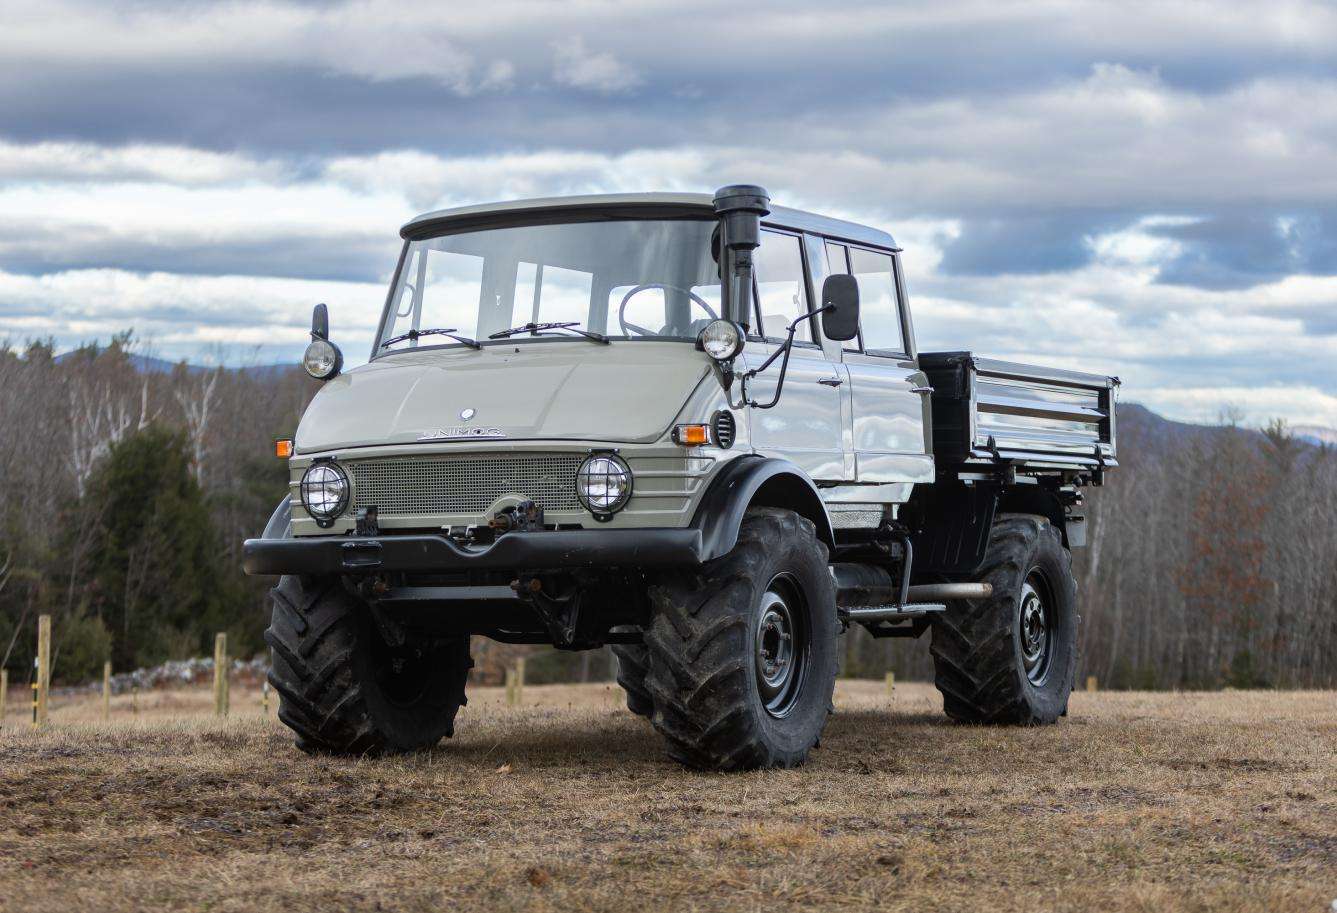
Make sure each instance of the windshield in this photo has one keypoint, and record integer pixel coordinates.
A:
(624, 279)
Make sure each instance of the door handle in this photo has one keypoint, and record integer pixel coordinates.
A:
(921, 389)
(830, 381)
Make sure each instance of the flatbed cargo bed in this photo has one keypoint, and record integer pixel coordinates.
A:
(994, 412)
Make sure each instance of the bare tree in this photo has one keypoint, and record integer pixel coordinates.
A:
(101, 416)
(195, 395)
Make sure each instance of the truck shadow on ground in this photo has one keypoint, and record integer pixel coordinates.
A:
(538, 740)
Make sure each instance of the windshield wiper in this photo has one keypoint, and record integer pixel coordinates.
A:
(449, 331)
(535, 329)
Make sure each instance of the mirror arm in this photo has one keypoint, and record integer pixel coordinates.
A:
(784, 364)
(320, 322)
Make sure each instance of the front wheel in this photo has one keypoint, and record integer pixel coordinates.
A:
(343, 689)
(1011, 658)
(741, 655)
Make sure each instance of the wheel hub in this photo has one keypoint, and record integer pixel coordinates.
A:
(780, 648)
(1035, 624)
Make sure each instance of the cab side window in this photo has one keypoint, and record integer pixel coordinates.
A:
(782, 291)
(837, 261)
(879, 311)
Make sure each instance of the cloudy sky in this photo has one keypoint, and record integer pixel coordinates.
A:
(1143, 189)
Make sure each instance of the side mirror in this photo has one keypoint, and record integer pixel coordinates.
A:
(320, 322)
(840, 304)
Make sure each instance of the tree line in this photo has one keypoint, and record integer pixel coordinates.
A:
(127, 486)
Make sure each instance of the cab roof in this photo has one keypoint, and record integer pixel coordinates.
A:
(628, 205)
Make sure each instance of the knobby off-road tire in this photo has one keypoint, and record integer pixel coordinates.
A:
(343, 690)
(632, 660)
(1011, 658)
(724, 695)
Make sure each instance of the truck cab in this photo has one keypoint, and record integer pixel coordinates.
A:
(581, 417)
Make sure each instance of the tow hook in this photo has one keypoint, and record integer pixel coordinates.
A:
(525, 517)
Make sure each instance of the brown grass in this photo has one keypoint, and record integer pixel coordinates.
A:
(1148, 802)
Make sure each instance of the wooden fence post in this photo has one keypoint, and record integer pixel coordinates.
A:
(43, 668)
(106, 690)
(220, 674)
(1091, 683)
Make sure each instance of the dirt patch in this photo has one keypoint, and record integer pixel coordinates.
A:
(1155, 802)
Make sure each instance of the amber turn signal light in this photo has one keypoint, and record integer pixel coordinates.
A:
(283, 449)
(691, 435)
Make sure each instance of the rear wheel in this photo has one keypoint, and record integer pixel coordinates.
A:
(742, 654)
(1011, 658)
(343, 689)
(631, 665)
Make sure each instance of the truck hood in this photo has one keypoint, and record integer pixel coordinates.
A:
(628, 391)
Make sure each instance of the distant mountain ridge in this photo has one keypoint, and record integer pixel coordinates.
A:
(149, 364)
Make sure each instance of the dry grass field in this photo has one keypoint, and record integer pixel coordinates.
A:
(1149, 802)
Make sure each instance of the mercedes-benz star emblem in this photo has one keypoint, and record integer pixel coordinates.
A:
(467, 414)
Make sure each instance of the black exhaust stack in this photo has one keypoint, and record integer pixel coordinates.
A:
(740, 208)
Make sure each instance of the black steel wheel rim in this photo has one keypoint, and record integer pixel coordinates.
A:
(1035, 626)
(782, 646)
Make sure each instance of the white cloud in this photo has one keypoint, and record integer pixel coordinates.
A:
(1298, 405)
(577, 66)
(88, 162)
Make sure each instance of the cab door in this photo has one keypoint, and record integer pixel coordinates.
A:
(806, 426)
(889, 394)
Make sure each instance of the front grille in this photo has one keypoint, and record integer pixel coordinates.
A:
(463, 484)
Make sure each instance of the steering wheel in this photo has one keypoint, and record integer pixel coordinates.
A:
(630, 328)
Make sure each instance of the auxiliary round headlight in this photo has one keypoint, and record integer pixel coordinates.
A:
(721, 340)
(603, 484)
(322, 359)
(325, 492)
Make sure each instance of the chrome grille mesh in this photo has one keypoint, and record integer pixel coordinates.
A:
(463, 484)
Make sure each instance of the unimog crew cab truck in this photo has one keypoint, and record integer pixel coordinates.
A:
(696, 429)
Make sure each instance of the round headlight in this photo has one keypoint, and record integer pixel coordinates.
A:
(603, 484)
(322, 359)
(722, 339)
(325, 492)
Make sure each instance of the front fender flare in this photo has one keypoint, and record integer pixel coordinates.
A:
(754, 481)
(280, 522)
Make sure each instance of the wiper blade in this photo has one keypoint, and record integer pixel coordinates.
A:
(537, 329)
(449, 331)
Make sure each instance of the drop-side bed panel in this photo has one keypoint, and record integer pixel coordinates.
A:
(988, 410)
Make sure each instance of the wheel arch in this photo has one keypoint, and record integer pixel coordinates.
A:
(754, 481)
(280, 522)
(1032, 499)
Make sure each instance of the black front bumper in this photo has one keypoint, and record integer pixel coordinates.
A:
(516, 551)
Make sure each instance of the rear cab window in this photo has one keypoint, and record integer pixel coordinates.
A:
(880, 326)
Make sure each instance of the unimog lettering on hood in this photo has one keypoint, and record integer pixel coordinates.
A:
(697, 429)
